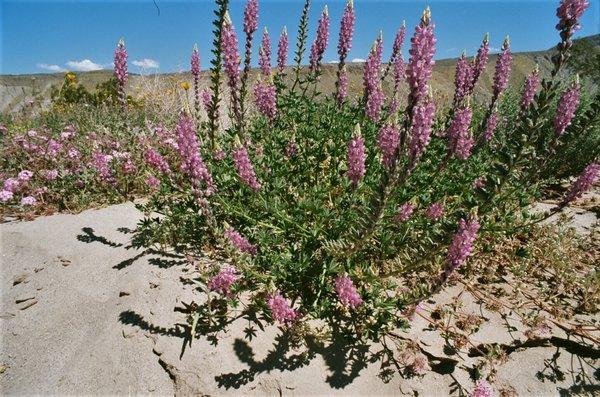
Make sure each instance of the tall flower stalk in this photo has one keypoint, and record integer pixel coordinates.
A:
(264, 54)
(250, 27)
(301, 43)
(120, 72)
(231, 64)
(320, 44)
(282, 50)
(396, 57)
(373, 92)
(195, 70)
(344, 45)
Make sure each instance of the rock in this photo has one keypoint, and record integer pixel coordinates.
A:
(28, 304)
(63, 261)
(124, 293)
(129, 332)
(21, 278)
(24, 298)
(38, 269)
(3, 368)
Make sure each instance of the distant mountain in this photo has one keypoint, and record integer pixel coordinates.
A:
(17, 90)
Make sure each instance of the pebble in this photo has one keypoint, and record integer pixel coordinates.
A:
(28, 304)
(124, 293)
(21, 278)
(24, 298)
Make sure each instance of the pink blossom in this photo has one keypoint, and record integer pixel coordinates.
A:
(223, 281)
(584, 182)
(206, 98)
(482, 389)
(567, 105)
(420, 136)
(462, 79)
(11, 184)
(479, 182)
(231, 57)
(320, 43)
(219, 155)
(281, 309)
(153, 182)
(266, 100)
(282, 50)
(356, 157)
(503, 65)
(460, 141)
(5, 195)
(51, 175)
(73, 153)
(569, 12)
(490, 126)
(120, 70)
(462, 245)
(191, 161)
(244, 168)
(434, 211)
(291, 148)
(251, 17)
(240, 242)
(372, 83)
(346, 292)
(346, 31)
(25, 175)
(480, 61)
(156, 160)
(28, 200)
(420, 64)
(529, 88)
(404, 213)
(342, 85)
(388, 140)
(264, 54)
(195, 62)
(101, 163)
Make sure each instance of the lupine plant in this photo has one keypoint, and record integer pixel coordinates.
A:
(352, 213)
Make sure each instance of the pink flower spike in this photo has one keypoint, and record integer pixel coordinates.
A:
(387, 141)
(482, 389)
(281, 309)
(264, 54)
(584, 182)
(244, 168)
(346, 292)
(405, 211)
(460, 141)
(529, 88)
(356, 157)
(320, 44)
(420, 64)
(346, 30)
(565, 111)
(223, 281)
(502, 73)
(251, 17)
(435, 211)
(462, 245)
(282, 50)
(240, 242)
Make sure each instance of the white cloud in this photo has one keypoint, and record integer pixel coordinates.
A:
(146, 63)
(84, 66)
(357, 60)
(51, 68)
(334, 61)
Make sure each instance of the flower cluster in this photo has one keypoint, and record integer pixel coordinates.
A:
(191, 161)
(420, 64)
(462, 79)
(266, 100)
(529, 88)
(244, 168)
(156, 160)
(346, 292)
(569, 12)
(462, 244)
(490, 126)
(282, 50)
(482, 389)
(502, 72)
(320, 43)
(231, 57)
(567, 105)
(373, 90)
(346, 31)
(460, 141)
(420, 130)
(264, 54)
(584, 182)
(388, 140)
(281, 309)
(356, 157)
(120, 70)
(405, 211)
(223, 281)
(342, 84)
(240, 242)
(251, 17)
(480, 61)
(435, 211)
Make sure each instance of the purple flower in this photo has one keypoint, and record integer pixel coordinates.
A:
(28, 200)
(434, 211)
(584, 182)
(206, 98)
(460, 141)
(373, 91)
(291, 148)
(120, 71)
(462, 79)
(346, 31)
(264, 54)
(265, 99)
(153, 182)
(101, 163)
(397, 60)
(191, 161)
(240, 242)
(195, 62)
(154, 159)
(387, 141)
(490, 126)
(567, 105)
(281, 309)
(25, 175)
(462, 245)
(342, 85)
(420, 64)
(420, 130)
(231, 57)
(502, 72)
(405, 211)
(245, 169)
(529, 88)
(479, 182)
(568, 13)
(482, 389)
(480, 61)
(346, 292)
(51, 175)
(320, 43)
(251, 17)
(356, 157)
(11, 184)
(223, 281)
(5, 195)
(282, 50)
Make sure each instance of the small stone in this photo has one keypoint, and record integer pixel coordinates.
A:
(38, 269)
(24, 298)
(124, 293)
(21, 278)
(28, 304)
(3, 368)
(128, 333)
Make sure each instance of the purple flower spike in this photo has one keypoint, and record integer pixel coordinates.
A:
(462, 79)
(231, 57)
(567, 105)
(460, 141)
(245, 169)
(397, 60)
(195, 70)
(342, 85)
(405, 211)
(240, 242)
(586, 180)
(281, 309)
(420, 64)
(223, 281)
(388, 140)
(282, 50)
(320, 43)
(529, 88)
(346, 31)
(420, 136)
(264, 54)
(346, 292)
(372, 83)
(356, 157)
(569, 12)
(435, 211)
(503, 65)
(120, 70)
(480, 61)
(482, 389)
(265, 99)
(189, 150)
(251, 17)
(490, 126)
(462, 245)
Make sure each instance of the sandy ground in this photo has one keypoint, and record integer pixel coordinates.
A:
(82, 312)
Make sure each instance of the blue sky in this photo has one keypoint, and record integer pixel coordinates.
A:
(45, 36)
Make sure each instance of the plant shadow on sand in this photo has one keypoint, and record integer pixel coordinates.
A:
(344, 361)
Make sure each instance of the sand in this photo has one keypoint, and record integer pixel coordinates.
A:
(82, 312)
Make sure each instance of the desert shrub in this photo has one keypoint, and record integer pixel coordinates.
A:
(351, 213)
